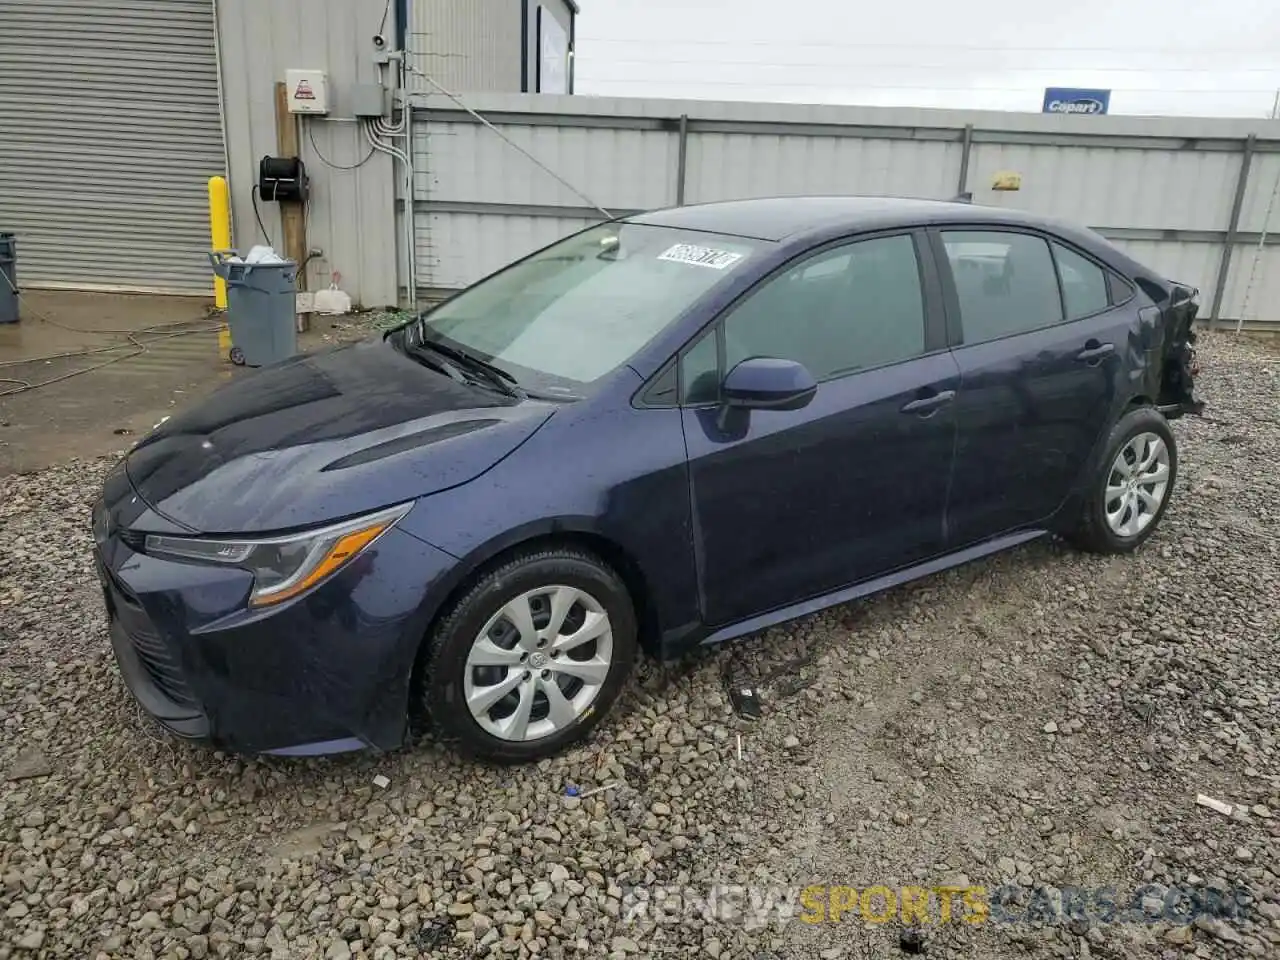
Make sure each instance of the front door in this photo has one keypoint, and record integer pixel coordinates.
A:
(1040, 363)
(789, 505)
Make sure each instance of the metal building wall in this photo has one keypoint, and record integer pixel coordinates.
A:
(728, 166)
(466, 45)
(352, 213)
(109, 131)
(1261, 210)
(461, 239)
(1163, 188)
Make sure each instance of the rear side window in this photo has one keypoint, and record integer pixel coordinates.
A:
(1006, 283)
(1084, 283)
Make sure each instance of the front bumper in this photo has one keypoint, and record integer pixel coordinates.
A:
(326, 672)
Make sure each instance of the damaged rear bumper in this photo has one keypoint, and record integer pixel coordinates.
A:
(1180, 367)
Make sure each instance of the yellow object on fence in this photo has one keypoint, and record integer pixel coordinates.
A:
(219, 230)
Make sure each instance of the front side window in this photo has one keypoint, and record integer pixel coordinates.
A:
(583, 307)
(846, 309)
(1005, 282)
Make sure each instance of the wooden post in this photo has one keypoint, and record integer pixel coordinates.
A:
(293, 223)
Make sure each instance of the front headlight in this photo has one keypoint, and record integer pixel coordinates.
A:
(284, 567)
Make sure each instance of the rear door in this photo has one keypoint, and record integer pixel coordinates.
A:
(789, 505)
(1040, 344)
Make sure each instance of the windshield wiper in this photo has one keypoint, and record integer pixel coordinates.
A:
(493, 374)
(435, 361)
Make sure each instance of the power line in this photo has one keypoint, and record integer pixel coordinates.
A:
(511, 143)
(905, 65)
(584, 40)
(856, 85)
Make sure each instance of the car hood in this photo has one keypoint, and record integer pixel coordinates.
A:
(323, 437)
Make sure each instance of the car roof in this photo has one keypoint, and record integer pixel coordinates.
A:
(781, 218)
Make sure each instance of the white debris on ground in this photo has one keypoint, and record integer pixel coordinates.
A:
(357, 326)
(1041, 721)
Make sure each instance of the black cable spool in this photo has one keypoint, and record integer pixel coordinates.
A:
(283, 179)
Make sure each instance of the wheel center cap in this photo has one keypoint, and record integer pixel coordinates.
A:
(537, 660)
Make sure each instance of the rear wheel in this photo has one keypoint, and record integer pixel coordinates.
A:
(531, 658)
(1130, 491)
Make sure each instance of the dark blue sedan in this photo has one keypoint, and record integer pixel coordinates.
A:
(664, 431)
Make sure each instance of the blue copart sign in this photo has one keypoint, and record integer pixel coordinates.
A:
(1074, 100)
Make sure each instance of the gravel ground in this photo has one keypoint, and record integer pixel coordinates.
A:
(1034, 723)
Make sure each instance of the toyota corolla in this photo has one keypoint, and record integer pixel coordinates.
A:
(668, 430)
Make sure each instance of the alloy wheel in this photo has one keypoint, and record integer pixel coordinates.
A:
(1137, 485)
(539, 663)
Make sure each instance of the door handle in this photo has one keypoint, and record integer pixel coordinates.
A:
(928, 406)
(1093, 350)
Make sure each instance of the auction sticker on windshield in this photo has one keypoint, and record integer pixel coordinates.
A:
(697, 256)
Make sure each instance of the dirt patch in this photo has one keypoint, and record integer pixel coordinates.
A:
(108, 367)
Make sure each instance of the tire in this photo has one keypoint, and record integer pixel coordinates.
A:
(1124, 530)
(447, 678)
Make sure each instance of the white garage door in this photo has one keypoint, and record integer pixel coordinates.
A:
(109, 131)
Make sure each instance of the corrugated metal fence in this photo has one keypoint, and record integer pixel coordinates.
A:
(1185, 196)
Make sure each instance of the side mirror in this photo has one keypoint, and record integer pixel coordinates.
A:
(767, 383)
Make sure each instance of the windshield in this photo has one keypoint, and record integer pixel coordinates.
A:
(584, 306)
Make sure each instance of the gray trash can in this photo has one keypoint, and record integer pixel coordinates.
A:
(261, 308)
(8, 278)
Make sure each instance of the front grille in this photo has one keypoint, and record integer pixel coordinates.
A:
(152, 652)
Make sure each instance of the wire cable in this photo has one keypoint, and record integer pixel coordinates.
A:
(394, 131)
(253, 195)
(1123, 52)
(511, 143)
(852, 84)
(1004, 67)
(311, 136)
(382, 146)
(401, 125)
(140, 346)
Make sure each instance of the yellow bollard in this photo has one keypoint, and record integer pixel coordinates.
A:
(219, 230)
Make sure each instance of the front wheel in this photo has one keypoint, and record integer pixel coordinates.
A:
(1130, 490)
(531, 658)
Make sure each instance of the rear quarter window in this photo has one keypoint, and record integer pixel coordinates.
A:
(1121, 290)
(1084, 283)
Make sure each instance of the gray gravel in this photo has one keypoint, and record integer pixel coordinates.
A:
(1044, 719)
